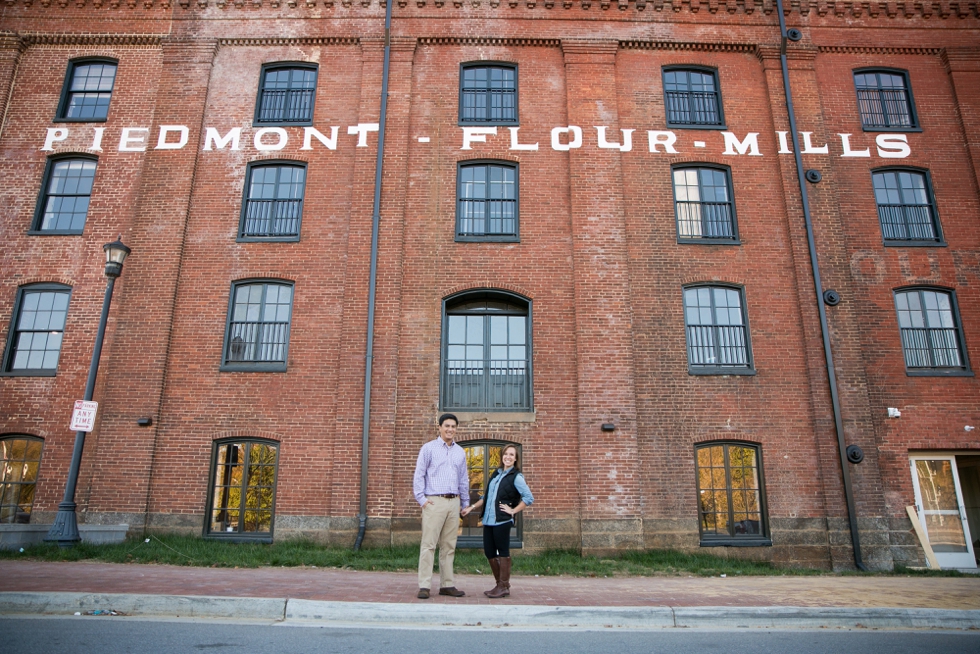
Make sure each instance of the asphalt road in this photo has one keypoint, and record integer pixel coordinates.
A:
(123, 635)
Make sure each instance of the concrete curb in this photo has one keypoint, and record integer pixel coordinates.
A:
(298, 611)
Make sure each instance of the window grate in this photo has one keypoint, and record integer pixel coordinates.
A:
(272, 218)
(931, 347)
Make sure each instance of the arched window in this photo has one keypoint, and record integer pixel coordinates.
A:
(717, 331)
(87, 91)
(488, 94)
(486, 355)
(692, 97)
(703, 204)
(482, 458)
(257, 337)
(67, 189)
(273, 205)
(906, 208)
(731, 497)
(885, 100)
(932, 336)
(20, 459)
(286, 94)
(34, 340)
(242, 497)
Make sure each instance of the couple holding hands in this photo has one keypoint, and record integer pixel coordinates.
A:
(441, 487)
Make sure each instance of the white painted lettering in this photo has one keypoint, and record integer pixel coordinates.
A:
(97, 139)
(362, 129)
(574, 142)
(893, 146)
(476, 135)
(750, 144)
(310, 132)
(514, 145)
(163, 144)
(808, 147)
(54, 134)
(666, 139)
(783, 145)
(211, 137)
(845, 141)
(625, 146)
(266, 147)
(129, 141)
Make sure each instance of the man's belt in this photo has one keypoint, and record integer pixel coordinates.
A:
(448, 496)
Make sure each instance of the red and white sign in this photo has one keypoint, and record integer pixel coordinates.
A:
(83, 417)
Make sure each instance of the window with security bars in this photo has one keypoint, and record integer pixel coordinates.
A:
(64, 204)
(905, 206)
(932, 338)
(486, 353)
(20, 459)
(286, 95)
(482, 459)
(692, 98)
(884, 100)
(273, 203)
(717, 333)
(731, 498)
(242, 501)
(486, 206)
(34, 344)
(88, 90)
(488, 95)
(703, 204)
(257, 337)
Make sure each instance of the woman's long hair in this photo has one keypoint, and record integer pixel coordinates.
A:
(517, 457)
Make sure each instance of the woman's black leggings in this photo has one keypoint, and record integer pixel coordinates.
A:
(496, 540)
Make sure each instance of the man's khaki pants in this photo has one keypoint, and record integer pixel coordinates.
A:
(440, 524)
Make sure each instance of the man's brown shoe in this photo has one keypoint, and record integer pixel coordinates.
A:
(423, 593)
(451, 591)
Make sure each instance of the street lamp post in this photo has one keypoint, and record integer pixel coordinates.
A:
(64, 531)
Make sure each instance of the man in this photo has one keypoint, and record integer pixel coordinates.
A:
(441, 488)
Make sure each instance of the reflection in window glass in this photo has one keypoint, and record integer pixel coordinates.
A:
(20, 458)
(244, 484)
(729, 491)
(716, 330)
(930, 334)
(36, 342)
(67, 197)
(90, 91)
(259, 325)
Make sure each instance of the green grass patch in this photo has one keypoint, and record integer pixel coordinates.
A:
(195, 551)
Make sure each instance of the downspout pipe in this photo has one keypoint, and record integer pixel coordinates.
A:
(373, 283)
(818, 287)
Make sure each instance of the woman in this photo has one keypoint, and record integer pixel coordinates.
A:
(507, 495)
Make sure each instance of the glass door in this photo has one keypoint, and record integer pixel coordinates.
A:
(939, 501)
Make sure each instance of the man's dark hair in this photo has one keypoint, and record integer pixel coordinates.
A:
(448, 416)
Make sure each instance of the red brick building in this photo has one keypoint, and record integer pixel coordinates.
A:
(593, 240)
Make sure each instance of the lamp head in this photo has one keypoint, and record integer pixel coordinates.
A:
(115, 254)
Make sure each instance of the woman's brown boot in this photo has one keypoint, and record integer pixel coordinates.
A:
(503, 586)
(495, 567)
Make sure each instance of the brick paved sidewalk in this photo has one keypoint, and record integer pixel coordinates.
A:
(400, 587)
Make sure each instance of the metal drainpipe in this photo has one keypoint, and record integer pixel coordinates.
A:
(828, 354)
(372, 286)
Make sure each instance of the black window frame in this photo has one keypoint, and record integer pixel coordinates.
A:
(449, 305)
(704, 70)
(699, 369)
(963, 370)
(939, 240)
(12, 331)
(44, 194)
(488, 237)
(489, 122)
(229, 364)
(4, 482)
(64, 103)
(877, 70)
(246, 201)
(764, 537)
(472, 521)
(240, 536)
(278, 66)
(709, 240)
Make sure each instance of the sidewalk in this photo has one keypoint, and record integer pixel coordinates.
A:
(356, 597)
